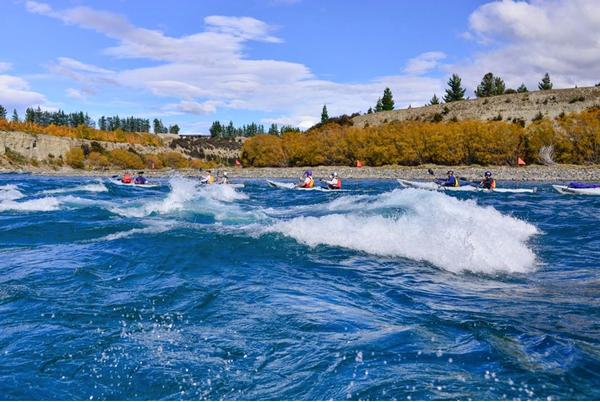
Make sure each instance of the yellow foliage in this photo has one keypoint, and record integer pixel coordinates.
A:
(200, 164)
(97, 160)
(125, 159)
(74, 157)
(173, 160)
(263, 150)
(418, 142)
(153, 161)
(83, 132)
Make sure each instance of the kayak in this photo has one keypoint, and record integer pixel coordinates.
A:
(150, 184)
(468, 188)
(578, 191)
(232, 185)
(292, 186)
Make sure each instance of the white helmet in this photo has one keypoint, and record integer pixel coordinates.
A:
(225, 174)
(334, 174)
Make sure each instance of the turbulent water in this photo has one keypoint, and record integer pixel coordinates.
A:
(192, 292)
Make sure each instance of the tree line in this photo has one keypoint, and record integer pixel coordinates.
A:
(131, 124)
(229, 131)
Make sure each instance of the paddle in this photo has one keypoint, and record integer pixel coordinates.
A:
(471, 182)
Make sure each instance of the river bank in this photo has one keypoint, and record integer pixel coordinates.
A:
(527, 173)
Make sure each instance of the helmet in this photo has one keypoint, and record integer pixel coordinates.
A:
(488, 174)
(308, 173)
(450, 172)
(225, 174)
(334, 174)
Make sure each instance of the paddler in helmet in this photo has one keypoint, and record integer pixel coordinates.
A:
(307, 181)
(451, 181)
(488, 182)
(208, 179)
(127, 178)
(224, 179)
(334, 182)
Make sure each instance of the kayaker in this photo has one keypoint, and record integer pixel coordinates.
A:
(140, 179)
(451, 181)
(308, 181)
(488, 182)
(208, 179)
(334, 182)
(224, 179)
(127, 179)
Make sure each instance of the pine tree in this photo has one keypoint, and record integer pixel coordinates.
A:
(434, 100)
(273, 130)
(15, 116)
(157, 126)
(370, 110)
(455, 91)
(387, 101)
(216, 129)
(324, 114)
(545, 84)
(522, 89)
(490, 86)
(174, 129)
(499, 86)
(379, 106)
(2, 113)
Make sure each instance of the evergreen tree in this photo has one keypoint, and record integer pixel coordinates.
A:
(545, 84)
(15, 116)
(273, 130)
(174, 129)
(2, 113)
(387, 101)
(486, 87)
(522, 89)
(455, 91)
(29, 115)
(379, 106)
(434, 100)
(499, 86)
(216, 129)
(324, 114)
(370, 110)
(157, 126)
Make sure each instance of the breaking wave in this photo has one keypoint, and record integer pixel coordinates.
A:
(453, 234)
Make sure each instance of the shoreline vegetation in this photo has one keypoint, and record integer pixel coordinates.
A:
(533, 173)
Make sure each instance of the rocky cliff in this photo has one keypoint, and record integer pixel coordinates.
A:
(515, 107)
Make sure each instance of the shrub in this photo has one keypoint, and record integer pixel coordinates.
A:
(577, 99)
(97, 160)
(153, 162)
(538, 116)
(266, 150)
(75, 157)
(125, 159)
(174, 160)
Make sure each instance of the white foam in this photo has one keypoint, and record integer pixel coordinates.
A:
(97, 187)
(186, 195)
(35, 205)
(453, 234)
(10, 192)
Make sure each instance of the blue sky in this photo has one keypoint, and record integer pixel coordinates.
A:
(193, 62)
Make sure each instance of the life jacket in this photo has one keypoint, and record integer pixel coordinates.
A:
(211, 179)
(126, 178)
(140, 180)
(489, 183)
(456, 182)
(310, 184)
(338, 185)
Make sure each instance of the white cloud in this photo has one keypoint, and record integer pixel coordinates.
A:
(424, 62)
(4, 66)
(522, 41)
(15, 93)
(206, 70)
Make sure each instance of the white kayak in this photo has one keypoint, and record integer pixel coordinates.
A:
(232, 185)
(292, 186)
(578, 191)
(150, 184)
(429, 185)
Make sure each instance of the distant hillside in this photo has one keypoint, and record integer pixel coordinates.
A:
(516, 107)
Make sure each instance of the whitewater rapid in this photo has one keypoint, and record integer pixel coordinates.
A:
(452, 234)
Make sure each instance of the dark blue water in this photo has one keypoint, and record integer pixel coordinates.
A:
(183, 292)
